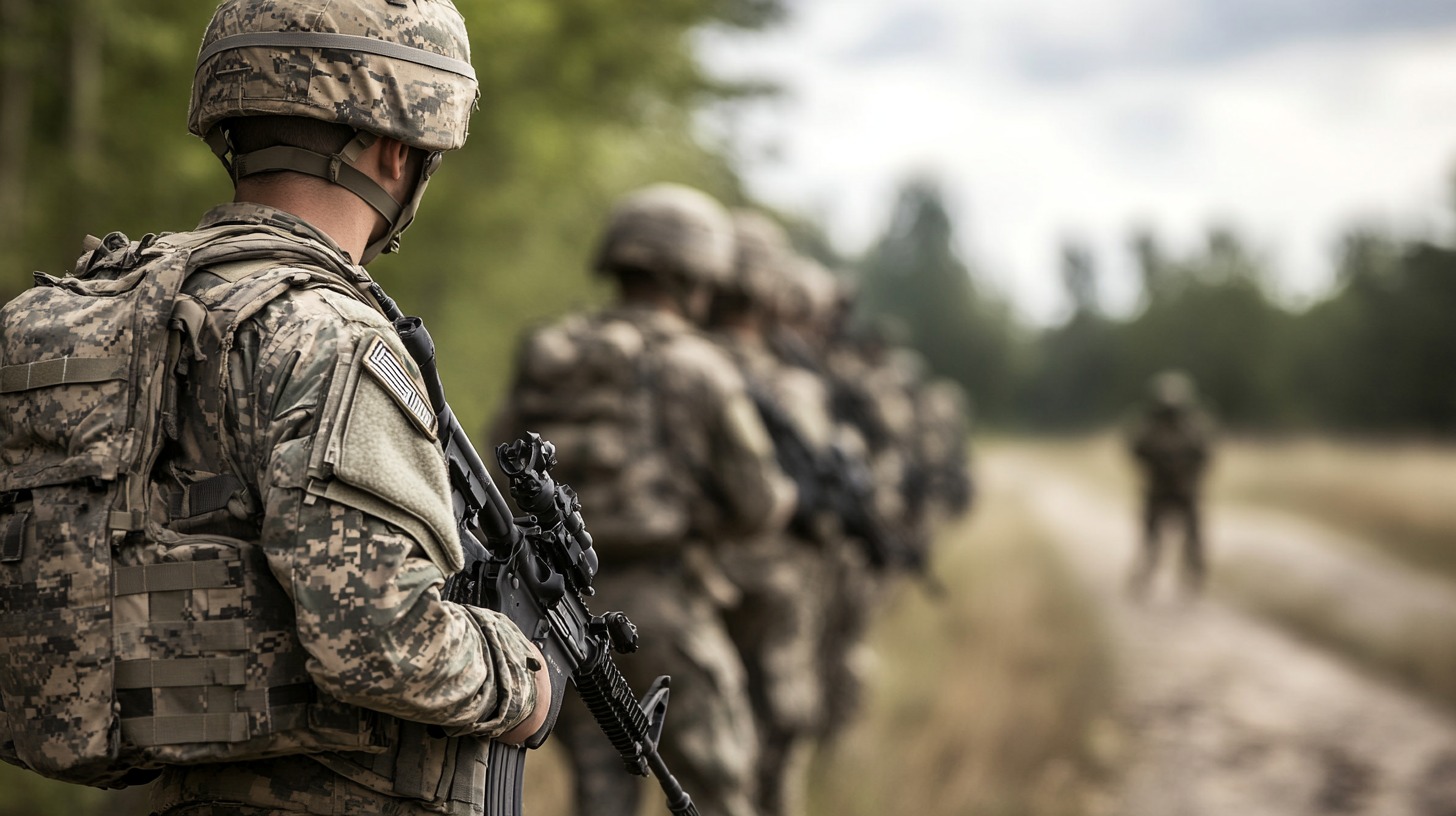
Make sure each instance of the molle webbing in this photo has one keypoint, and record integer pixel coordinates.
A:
(13, 535)
(228, 718)
(173, 576)
(178, 672)
(205, 496)
(203, 698)
(62, 371)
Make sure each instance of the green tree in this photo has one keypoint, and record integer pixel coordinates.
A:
(1073, 381)
(915, 275)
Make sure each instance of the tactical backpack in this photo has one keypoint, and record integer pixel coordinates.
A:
(588, 383)
(125, 645)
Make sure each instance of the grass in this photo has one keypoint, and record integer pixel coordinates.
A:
(1419, 655)
(993, 700)
(1399, 495)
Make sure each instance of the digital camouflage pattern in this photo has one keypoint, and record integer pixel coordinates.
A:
(84, 361)
(424, 106)
(877, 420)
(782, 578)
(324, 610)
(656, 432)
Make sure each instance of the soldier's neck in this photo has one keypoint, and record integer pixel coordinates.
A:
(331, 209)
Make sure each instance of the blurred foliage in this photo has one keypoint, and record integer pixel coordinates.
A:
(1375, 355)
(913, 283)
(580, 101)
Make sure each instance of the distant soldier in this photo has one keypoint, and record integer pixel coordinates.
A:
(782, 576)
(656, 431)
(1171, 446)
(943, 417)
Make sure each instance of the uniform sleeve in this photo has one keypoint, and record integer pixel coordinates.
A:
(749, 491)
(363, 571)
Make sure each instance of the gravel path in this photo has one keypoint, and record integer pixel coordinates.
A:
(1226, 713)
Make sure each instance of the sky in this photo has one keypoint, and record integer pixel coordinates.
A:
(1043, 120)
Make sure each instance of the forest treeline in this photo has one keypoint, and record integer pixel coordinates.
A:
(584, 99)
(1377, 354)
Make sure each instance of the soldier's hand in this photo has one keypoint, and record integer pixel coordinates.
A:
(537, 718)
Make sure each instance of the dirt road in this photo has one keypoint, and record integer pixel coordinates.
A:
(1227, 714)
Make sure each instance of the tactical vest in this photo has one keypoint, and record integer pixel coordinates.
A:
(125, 644)
(591, 385)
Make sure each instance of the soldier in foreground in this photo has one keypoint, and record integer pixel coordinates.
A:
(657, 433)
(281, 641)
(1170, 445)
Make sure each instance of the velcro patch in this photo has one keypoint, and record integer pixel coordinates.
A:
(389, 370)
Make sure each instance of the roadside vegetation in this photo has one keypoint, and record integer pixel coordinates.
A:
(1398, 495)
(1393, 500)
(994, 699)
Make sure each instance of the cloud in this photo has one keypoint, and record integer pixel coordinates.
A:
(906, 32)
(1201, 32)
(1288, 143)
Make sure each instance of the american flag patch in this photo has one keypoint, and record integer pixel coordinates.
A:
(385, 365)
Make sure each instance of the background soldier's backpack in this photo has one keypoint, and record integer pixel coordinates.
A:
(124, 645)
(587, 383)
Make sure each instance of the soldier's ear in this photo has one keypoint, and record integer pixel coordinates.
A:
(386, 161)
(394, 158)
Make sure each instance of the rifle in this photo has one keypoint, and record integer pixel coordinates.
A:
(837, 483)
(536, 569)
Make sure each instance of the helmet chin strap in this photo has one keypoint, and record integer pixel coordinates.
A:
(338, 168)
(389, 241)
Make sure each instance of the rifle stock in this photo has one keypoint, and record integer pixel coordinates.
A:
(537, 569)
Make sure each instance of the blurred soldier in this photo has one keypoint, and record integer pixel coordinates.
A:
(782, 576)
(1170, 444)
(656, 431)
(942, 416)
(296, 455)
(873, 431)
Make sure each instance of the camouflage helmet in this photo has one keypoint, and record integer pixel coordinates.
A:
(761, 253)
(816, 292)
(386, 68)
(1172, 390)
(671, 231)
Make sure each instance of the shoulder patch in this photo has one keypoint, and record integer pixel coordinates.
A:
(384, 364)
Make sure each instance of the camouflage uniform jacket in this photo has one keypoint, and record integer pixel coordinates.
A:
(346, 492)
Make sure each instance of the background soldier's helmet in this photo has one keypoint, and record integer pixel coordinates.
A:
(762, 255)
(394, 68)
(810, 293)
(672, 232)
(1172, 390)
